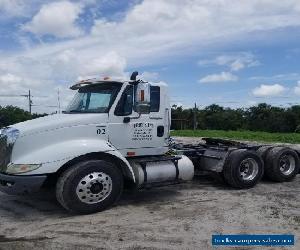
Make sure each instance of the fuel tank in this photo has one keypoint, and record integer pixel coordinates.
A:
(150, 171)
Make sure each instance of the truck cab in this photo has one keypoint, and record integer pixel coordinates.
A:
(113, 107)
(108, 122)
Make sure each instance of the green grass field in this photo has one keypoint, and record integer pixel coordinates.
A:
(241, 135)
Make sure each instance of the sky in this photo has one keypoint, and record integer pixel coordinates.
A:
(235, 53)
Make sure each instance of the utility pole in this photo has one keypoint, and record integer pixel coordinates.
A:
(29, 101)
(58, 100)
(26, 96)
(29, 97)
(195, 117)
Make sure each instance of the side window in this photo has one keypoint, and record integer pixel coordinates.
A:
(125, 104)
(99, 101)
(154, 98)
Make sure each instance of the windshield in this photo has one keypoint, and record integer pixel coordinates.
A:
(94, 98)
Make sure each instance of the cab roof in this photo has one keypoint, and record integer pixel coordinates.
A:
(95, 81)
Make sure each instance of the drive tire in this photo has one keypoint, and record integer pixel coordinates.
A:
(235, 167)
(275, 169)
(263, 152)
(81, 198)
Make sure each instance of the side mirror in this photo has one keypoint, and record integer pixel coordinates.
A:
(142, 108)
(142, 98)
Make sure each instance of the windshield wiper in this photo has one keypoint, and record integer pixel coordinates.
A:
(75, 111)
(85, 111)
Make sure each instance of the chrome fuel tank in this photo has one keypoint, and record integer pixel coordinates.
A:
(148, 171)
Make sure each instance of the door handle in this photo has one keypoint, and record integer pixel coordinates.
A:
(160, 131)
(126, 120)
(155, 118)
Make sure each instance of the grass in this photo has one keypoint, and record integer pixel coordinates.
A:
(241, 135)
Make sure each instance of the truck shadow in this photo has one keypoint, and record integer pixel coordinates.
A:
(170, 192)
(44, 203)
(24, 207)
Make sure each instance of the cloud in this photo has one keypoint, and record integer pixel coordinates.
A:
(151, 32)
(11, 84)
(234, 61)
(12, 8)
(43, 76)
(297, 89)
(111, 63)
(222, 77)
(154, 30)
(279, 77)
(252, 103)
(57, 19)
(149, 76)
(269, 90)
(9, 78)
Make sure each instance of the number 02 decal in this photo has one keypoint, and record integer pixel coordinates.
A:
(101, 131)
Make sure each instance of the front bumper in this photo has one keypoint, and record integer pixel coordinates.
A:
(17, 184)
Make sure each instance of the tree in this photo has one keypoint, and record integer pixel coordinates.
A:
(262, 117)
(10, 115)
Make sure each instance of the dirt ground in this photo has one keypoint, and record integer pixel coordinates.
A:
(174, 217)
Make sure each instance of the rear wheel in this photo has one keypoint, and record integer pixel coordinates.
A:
(263, 152)
(282, 164)
(243, 169)
(89, 187)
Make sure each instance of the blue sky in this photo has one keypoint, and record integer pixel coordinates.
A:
(230, 52)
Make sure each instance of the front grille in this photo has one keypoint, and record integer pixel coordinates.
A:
(5, 153)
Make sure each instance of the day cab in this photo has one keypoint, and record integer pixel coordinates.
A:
(86, 150)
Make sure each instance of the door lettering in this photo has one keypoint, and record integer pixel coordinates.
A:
(143, 131)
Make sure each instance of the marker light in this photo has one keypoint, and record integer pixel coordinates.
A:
(142, 95)
(21, 168)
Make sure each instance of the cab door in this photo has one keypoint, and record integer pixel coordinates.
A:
(136, 134)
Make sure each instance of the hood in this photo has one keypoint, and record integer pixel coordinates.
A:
(57, 121)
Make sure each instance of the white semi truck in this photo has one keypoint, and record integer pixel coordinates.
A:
(115, 134)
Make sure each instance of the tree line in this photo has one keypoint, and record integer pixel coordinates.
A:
(10, 115)
(262, 117)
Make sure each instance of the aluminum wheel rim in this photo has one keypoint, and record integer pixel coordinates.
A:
(94, 187)
(248, 169)
(287, 164)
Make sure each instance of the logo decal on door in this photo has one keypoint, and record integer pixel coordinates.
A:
(142, 131)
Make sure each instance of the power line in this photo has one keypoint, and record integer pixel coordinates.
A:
(41, 105)
(29, 96)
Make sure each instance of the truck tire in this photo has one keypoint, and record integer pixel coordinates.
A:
(89, 187)
(243, 169)
(263, 151)
(282, 164)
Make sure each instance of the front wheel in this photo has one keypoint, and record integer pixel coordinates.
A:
(89, 187)
(243, 169)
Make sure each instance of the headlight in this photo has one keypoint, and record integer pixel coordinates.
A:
(21, 168)
(11, 134)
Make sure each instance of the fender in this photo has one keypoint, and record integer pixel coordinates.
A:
(53, 157)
